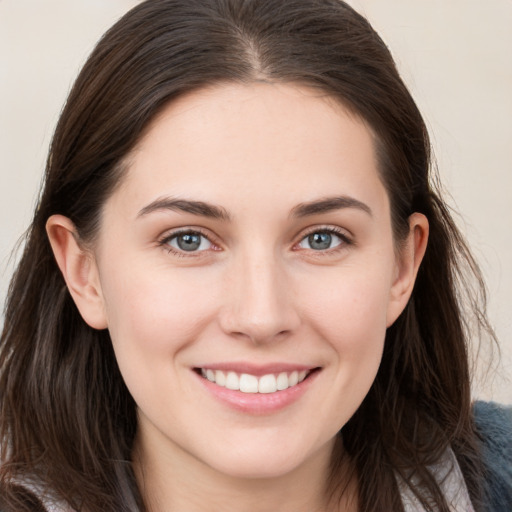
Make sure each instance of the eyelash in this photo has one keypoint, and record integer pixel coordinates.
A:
(165, 242)
(342, 235)
(331, 230)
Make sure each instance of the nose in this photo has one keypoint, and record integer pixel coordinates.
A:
(258, 303)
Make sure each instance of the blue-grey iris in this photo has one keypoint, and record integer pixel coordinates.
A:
(320, 241)
(188, 241)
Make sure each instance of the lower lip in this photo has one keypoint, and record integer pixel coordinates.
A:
(258, 403)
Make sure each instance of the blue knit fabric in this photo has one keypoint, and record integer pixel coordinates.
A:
(494, 424)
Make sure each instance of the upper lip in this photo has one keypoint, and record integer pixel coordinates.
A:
(257, 369)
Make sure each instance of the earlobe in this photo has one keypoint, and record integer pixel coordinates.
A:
(408, 263)
(78, 269)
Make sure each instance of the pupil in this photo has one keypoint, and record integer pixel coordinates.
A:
(189, 242)
(319, 241)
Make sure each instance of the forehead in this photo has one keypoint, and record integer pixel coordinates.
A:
(286, 143)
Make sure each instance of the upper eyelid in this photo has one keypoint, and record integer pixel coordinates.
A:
(325, 228)
(167, 236)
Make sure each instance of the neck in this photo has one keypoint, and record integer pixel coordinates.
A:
(183, 483)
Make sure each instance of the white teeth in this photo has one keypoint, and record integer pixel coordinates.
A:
(267, 384)
(282, 381)
(247, 383)
(220, 378)
(232, 381)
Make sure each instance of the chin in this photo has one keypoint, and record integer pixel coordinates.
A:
(257, 470)
(268, 461)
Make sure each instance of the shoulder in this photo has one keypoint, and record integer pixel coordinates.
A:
(493, 423)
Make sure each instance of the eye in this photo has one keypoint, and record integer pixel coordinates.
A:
(322, 240)
(188, 241)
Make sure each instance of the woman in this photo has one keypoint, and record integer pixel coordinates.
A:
(240, 288)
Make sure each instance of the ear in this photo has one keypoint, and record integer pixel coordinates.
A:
(408, 262)
(79, 270)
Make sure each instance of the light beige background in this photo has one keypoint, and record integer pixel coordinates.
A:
(455, 55)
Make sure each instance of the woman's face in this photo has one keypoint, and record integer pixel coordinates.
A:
(247, 273)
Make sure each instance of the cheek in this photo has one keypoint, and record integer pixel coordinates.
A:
(352, 310)
(351, 318)
(154, 305)
(353, 323)
(153, 316)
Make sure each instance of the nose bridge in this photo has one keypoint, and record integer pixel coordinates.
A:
(259, 304)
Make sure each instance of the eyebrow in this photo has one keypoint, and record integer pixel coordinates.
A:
(319, 206)
(329, 204)
(187, 206)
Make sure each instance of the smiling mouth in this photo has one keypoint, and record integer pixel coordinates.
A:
(247, 383)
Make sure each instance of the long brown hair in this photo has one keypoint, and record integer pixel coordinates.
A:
(67, 420)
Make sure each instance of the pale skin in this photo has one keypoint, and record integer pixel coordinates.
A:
(295, 263)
